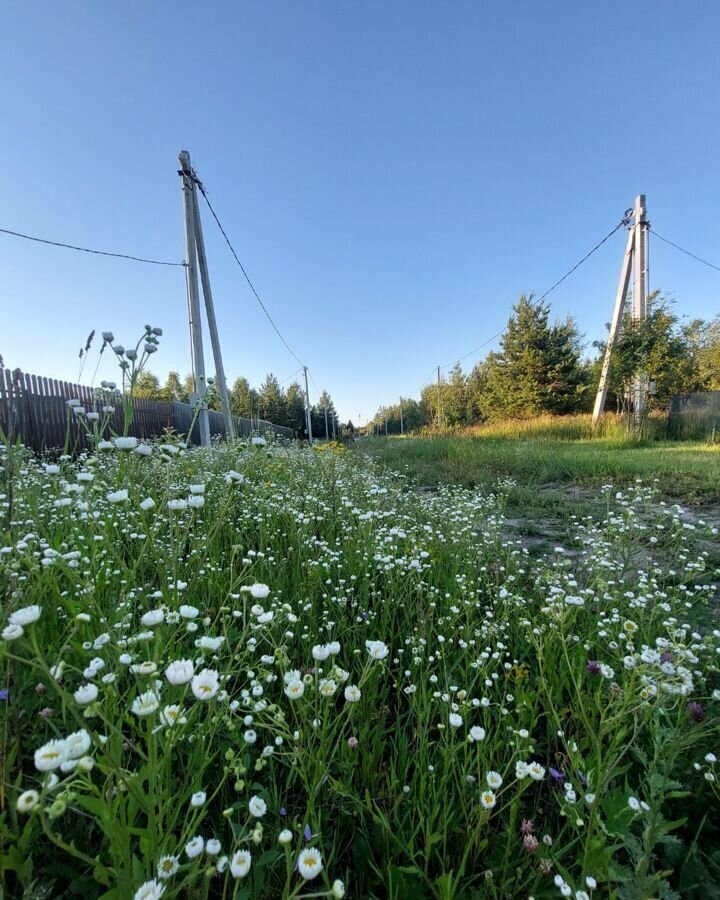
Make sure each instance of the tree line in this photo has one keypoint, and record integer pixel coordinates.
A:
(541, 368)
(271, 401)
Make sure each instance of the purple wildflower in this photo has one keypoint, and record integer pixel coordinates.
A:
(308, 834)
(558, 776)
(530, 843)
(696, 711)
(283, 812)
(593, 667)
(4, 694)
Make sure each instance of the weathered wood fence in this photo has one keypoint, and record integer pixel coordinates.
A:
(36, 410)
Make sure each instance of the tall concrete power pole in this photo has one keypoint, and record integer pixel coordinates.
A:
(196, 344)
(635, 262)
(212, 322)
(307, 408)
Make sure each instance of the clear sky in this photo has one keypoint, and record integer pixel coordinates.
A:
(392, 174)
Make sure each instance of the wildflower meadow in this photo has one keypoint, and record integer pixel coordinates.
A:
(271, 671)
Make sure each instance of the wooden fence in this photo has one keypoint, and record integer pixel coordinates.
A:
(37, 410)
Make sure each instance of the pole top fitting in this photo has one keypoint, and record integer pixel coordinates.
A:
(640, 209)
(184, 158)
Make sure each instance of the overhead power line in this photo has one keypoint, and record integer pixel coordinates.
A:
(427, 381)
(141, 259)
(314, 384)
(623, 221)
(686, 252)
(242, 269)
(296, 372)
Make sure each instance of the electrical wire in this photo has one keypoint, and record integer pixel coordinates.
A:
(427, 381)
(296, 372)
(153, 262)
(319, 392)
(623, 221)
(686, 252)
(242, 269)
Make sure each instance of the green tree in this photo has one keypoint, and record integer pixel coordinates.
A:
(188, 387)
(433, 398)
(147, 386)
(458, 409)
(538, 367)
(271, 400)
(477, 381)
(241, 399)
(704, 340)
(295, 409)
(658, 348)
(173, 389)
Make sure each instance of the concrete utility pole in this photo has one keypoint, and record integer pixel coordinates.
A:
(200, 382)
(438, 395)
(402, 428)
(615, 327)
(639, 310)
(307, 407)
(212, 322)
(635, 261)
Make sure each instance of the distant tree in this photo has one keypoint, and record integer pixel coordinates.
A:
(433, 398)
(704, 340)
(538, 368)
(147, 386)
(295, 409)
(241, 398)
(271, 400)
(173, 389)
(458, 408)
(657, 347)
(188, 387)
(477, 381)
(325, 403)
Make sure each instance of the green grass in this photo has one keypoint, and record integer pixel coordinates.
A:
(560, 455)
(284, 652)
(557, 466)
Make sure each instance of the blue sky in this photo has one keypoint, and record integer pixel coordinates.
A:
(393, 175)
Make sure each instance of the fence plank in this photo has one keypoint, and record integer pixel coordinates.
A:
(36, 409)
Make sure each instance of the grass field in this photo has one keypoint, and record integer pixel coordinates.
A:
(263, 671)
(557, 465)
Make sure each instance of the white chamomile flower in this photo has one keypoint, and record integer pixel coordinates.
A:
(180, 671)
(167, 866)
(25, 616)
(309, 863)
(27, 801)
(257, 807)
(195, 846)
(240, 863)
